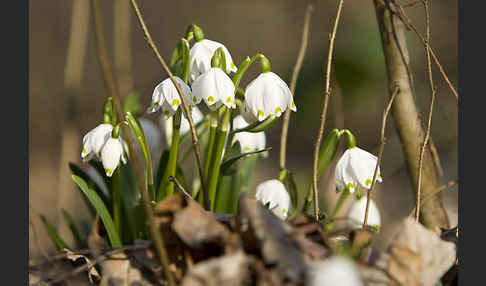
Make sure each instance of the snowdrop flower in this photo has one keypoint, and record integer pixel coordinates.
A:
(248, 141)
(111, 154)
(165, 96)
(357, 212)
(200, 58)
(267, 95)
(197, 116)
(336, 270)
(355, 168)
(94, 140)
(273, 193)
(216, 88)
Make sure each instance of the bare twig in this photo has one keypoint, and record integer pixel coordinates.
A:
(431, 195)
(324, 110)
(156, 234)
(293, 82)
(433, 91)
(380, 153)
(180, 187)
(187, 112)
(410, 25)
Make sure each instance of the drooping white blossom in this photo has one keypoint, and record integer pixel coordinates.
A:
(166, 97)
(274, 194)
(336, 270)
(111, 155)
(215, 88)
(249, 141)
(266, 95)
(355, 168)
(94, 141)
(200, 58)
(357, 212)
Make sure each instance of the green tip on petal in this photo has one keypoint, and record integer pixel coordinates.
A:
(194, 99)
(350, 186)
(175, 102)
(83, 152)
(210, 99)
(278, 110)
(261, 113)
(228, 100)
(108, 171)
(368, 182)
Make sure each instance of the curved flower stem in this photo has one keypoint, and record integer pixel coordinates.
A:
(166, 188)
(293, 83)
(216, 159)
(380, 153)
(324, 109)
(156, 234)
(115, 195)
(195, 141)
(213, 127)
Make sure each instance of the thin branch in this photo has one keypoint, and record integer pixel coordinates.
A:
(410, 25)
(450, 184)
(180, 187)
(187, 112)
(293, 82)
(156, 234)
(433, 91)
(380, 153)
(324, 109)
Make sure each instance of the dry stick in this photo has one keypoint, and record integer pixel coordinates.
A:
(431, 195)
(433, 91)
(155, 232)
(324, 109)
(293, 82)
(380, 153)
(180, 187)
(410, 25)
(195, 142)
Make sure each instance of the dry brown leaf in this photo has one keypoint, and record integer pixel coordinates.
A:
(93, 274)
(121, 271)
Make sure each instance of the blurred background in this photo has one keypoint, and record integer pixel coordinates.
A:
(67, 89)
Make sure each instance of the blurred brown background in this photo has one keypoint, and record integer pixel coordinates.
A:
(272, 27)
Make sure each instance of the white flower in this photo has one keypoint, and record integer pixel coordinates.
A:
(249, 141)
(357, 212)
(355, 168)
(94, 140)
(265, 95)
(197, 116)
(216, 88)
(200, 57)
(273, 193)
(165, 96)
(111, 154)
(336, 270)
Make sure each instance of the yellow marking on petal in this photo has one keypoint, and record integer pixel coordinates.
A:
(350, 186)
(175, 102)
(233, 65)
(194, 99)
(284, 211)
(108, 171)
(261, 113)
(278, 110)
(210, 99)
(368, 182)
(246, 148)
(293, 104)
(84, 151)
(228, 100)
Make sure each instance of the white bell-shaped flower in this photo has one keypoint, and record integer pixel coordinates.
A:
(215, 88)
(166, 97)
(249, 141)
(336, 270)
(355, 168)
(197, 116)
(94, 140)
(357, 212)
(265, 95)
(200, 58)
(111, 154)
(274, 194)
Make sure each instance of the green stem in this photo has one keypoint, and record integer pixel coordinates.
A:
(166, 187)
(282, 175)
(344, 195)
(213, 126)
(216, 158)
(115, 194)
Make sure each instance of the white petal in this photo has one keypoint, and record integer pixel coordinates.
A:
(214, 86)
(273, 192)
(357, 212)
(200, 57)
(197, 116)
(94, 140)
(362, 166)
(110, 155)
(248, 141)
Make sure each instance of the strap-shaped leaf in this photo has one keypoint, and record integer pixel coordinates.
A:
(60, 244)
(101, 210)
(74, 230)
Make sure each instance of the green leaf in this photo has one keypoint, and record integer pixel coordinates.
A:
(100, 207)
(164, 160)
(83, 175)
(226, 164)
(291, 187)
(132, 207)
(60, 244)
(74, 230)
(259, 126)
